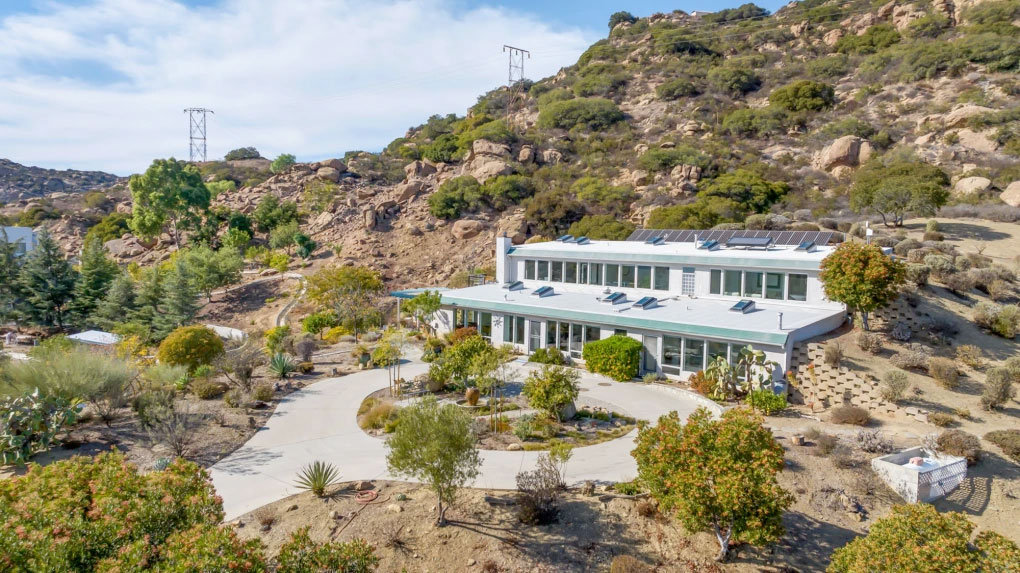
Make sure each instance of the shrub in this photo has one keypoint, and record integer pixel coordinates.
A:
(317, 477)
(833, 354)
(281, 365)
(306, 367)
(803, 95)
(460, 334)
(901, 331)
(551, 388)
(190, 346)
(1012, 365)
(941, 419)
(1008, 440)
(756, 122)
(933, 236)
(941, 266)
(701, 383)
(944, 371)
(873, 442)
(733, 80)
(874, 39)
(263, 392)
(617, 357)
(766, 401)
(456, 195)
(1001, 320)
(1000, 290)
(658, 159)
(959, 283)
(378, 415)
(913, 357)
(594, 114)
(998, 388)
(547, 356)
(206, 389)
(676, 89)
(853, 415)
(903, 248)
(894, 386)
(300, 554)
(234, 398)
(30, 424)
(826, 444)
(869, 342)
(538, 493)
(960, 443)
(918, 274)
(605, 227)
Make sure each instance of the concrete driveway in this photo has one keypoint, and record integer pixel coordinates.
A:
(320, 423)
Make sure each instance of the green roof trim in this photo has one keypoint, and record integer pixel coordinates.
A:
(731, 334)
(709, 260)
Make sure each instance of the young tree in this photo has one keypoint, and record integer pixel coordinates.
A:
(180, 304)
(270, 213)
(10, 268)
(895, 186)
(283, 236)
(239, 362)
(620, 17)
(437, 445)
(211, 269)
(117, 305)
(96, 273)
(46, 281)
(347, 290)
(716, 475)
(552, 388)
(169, 190)
(149, 294)
(423, 307)
(862, 277)
(282, 162)
(920, 539)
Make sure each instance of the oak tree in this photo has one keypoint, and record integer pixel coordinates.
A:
(862, 277)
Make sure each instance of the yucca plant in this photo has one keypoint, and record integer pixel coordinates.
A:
(281, 365)
(318, 476)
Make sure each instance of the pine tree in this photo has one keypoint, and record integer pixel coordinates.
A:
(96, 272)
(10, 265)
(117, 306)
(47, 281)
(180, 303)
(148, 296)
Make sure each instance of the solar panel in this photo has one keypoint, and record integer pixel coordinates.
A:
(807, 246)
(743, 306)
(709, 245)
(749, 241)
(656, 240)
(543, 291)
(645, 302)
(781, 238)
(582, 241)
(614, 297)
(516, 285)
(565, 238)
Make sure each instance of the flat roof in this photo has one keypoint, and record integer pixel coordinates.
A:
(413, 292)
(779, 257)
(96, 337)
(684, 316)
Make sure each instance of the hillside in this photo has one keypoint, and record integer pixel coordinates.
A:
(23, 182)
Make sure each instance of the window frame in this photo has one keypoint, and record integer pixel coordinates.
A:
(715, 282)
(781, 286)
(529, 270)
(789, 286)
(727, 275)
(612, 279)
(761, 284)
(556, 266)
(544, 277)
(623, 276)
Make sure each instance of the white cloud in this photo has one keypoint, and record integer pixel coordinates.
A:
(103, 86)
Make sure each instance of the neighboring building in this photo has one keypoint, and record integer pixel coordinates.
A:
(23, 239)
(96, 338)
(688, 296)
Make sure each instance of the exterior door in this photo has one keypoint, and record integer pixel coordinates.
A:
(650, 359)
(534, 335)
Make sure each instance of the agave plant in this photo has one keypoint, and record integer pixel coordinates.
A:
(281, 365)
(318, 476)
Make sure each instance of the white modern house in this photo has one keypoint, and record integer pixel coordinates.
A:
(23, 239)
(688, 296)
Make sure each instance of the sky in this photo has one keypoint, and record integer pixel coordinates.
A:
(102, 84)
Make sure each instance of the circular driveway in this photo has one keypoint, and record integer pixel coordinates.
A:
(319, 422)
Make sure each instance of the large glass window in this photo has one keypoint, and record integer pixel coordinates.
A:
(570, 275)
(661, 279)
(458, 317)
(564, 338)
(715, 285)
(626, 276)
(694, 354)
(513, 329)
(644, 277)
(718, 349)
(612, 275)
(543, 270)
(671, 354)
(753, 284)
(592, 333)
(472, 319)
(582, 273)
(550, 334)
(798, 287)
(557, 271)
(731, 283)
(576, 340)
(596, 274)
(529, 270)
(774, 285)
(486, 325)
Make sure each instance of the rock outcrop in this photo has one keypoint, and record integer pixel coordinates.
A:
(847, 151)
(1011, 196)
(972, 185)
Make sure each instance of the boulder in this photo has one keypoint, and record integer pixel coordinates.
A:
(418, 169)
(486, 147)
(551, 156)
(972, 185)
(526, 155)
(798, 30)
(690, 173)
(959, 116)
(466, 228)
(832, 36)
(321, 222)
(333, 163)
(369, 218)
(844, 151)
(1011, 196)
(905, 15)
(328, 174)
(124, 208)
(407, 191)
(976, 141)
(484, 167)
(124, 248)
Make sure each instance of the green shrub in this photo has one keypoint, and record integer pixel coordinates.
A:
(917, 274)
(190, 346)
(756, 122)
(658, 159)
(944, 371)
(854, 415)
(998, 388)
(605, 227)
(621, 17)
(202, 548)
(835, 66)
(628, 487)
(506, 190)
(733, 80)
(547, 356)
(960, 443)
(676, 88)
(495, 130)
(317, 477)
(941, 419)
(551, 388)
(558, 94)
(894, 385)
(281, 365)
(263, 392)
(875, 39)
(299, 554)
(206, 389)
(1002, 320)
(112, 226)
(456, 195)
(803, 95)
(595, 192)
(594, 114)
(30, 424)
(766, 401)
(276, 338)
(378, 415)
(617, 357)
(1008, 440)
(601, 85)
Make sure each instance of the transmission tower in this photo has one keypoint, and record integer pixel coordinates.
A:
(196, 141)
(515, 80)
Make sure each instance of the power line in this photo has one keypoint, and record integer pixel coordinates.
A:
(196, 139)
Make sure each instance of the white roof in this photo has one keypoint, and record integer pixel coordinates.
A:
(682, 315)
(95, 337)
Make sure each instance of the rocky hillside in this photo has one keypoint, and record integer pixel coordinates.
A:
(734, 118)
(23, 182)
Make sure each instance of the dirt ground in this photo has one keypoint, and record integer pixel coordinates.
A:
(251, 306)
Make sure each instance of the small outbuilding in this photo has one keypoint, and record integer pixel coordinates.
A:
(96, 338)
(919, 475)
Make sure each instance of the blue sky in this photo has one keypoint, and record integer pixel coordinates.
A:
(101, 84)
